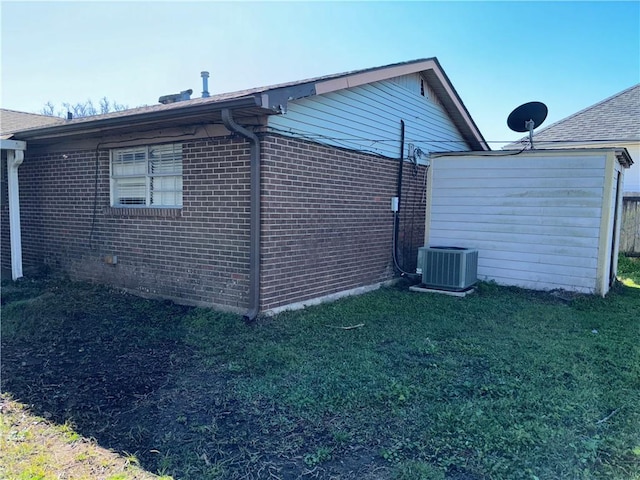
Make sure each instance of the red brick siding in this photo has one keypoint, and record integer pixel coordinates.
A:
(327, 222)
(198, 254)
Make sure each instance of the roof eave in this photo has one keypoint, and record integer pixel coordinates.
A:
(624, 158)
(458, 111)
(104, 124)
(621, 153)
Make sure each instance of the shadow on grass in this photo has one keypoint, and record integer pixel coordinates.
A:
(73, 354)
(197, 395)
(120, 369)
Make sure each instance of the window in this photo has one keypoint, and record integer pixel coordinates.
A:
(149, 176)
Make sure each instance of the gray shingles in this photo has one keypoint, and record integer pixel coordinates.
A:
(13, 121)
(615, 118)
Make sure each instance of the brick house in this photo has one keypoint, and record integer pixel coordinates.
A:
(251, 201)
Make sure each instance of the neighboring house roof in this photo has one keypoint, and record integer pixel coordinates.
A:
(12, 121)
(615, 119)
(268, 100)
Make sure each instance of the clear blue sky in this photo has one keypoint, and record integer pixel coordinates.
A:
(497, 54)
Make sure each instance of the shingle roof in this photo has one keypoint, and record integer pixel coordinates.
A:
(13, 121)
(213, 99)
(615, 118)
(265, 101)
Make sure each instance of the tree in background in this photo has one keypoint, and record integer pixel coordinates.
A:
(83, 109)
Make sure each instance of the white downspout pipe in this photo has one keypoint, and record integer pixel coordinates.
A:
(14, 160)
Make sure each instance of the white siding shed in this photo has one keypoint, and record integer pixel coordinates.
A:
(540, 219)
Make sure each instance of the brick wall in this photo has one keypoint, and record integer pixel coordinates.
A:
(5, 245)
(327, 221)
(327, 225)
(198, 254)
(412, 215)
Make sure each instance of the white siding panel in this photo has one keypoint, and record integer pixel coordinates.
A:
(505, 162)
(533, 185)
(410, 82)
(519, 205)
(467, 235)
(587, 261)
(547, 172)
(367, 118)
(535, 220)
(487, 246)
(515, 192)
(532, 270)
(514, 225)
(513, 228)
(504, 276)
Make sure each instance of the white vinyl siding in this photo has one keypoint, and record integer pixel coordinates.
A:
(535, 219)
(631, 185)
(147, 176)
(367, 118)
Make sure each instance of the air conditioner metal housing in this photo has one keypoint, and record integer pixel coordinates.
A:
(448, 268)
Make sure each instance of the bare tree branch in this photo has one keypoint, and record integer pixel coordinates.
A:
(48, 109)
(83, 109)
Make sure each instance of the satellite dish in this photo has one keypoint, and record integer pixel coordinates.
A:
(527, 117)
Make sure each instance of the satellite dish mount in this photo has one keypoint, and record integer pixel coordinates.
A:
(527, 117)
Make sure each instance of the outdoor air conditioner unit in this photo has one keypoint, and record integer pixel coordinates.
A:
(448, 268)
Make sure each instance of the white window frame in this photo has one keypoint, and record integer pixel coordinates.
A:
(142, 175)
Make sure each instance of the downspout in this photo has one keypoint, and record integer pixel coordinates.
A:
(254, 249)
(14, 160)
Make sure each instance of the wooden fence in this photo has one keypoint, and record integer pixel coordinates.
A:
(630, 230)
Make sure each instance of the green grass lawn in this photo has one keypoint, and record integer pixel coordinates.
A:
(502, 384)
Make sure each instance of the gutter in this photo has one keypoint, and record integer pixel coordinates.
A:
(158, 113)
(254, 249)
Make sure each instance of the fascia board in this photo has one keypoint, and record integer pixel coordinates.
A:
(461, 109)
(99, 125)
(356, 79)
(6, 144)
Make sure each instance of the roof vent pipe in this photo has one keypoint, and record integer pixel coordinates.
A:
(205, 84)
(176, 97)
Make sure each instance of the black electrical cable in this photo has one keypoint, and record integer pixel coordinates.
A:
(396, 215)
(315, 136)
(95, 196)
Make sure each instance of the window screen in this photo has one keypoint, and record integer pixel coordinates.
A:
(149, 176)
